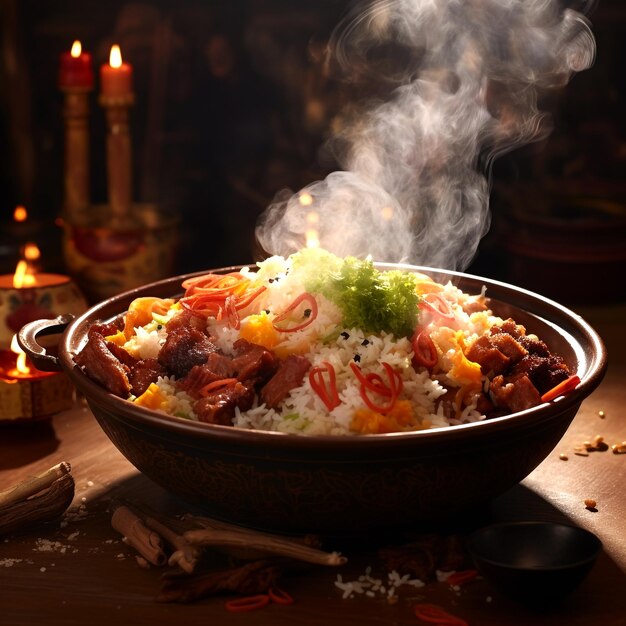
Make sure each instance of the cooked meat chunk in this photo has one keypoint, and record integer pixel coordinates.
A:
(534, 345)
(290, 374)
(217, 367)
(515, 395)
(143, 373)
(101, 365)
(108, 328)
(184, 348)
(219, 406)
(510, 328)
(188, 319)
(490, 359)
(509, 346)
(119, 353)
(544, 372)
(253, 361)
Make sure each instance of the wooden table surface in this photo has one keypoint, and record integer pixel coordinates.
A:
(79, 572)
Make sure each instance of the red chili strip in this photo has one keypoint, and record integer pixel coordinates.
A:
(303, 297)
(434, 614)
(279, 596)
(562, 388)
(437, 304)
(327, 392)
(392, 391)
(248, 603)
(243, 302)
(424, 350)
(216, 384)
(458, 578)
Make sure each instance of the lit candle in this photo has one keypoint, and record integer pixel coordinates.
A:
(75, 69)
(116, 77)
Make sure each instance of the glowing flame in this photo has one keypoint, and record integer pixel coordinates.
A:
(20, 214)
(312, 234)
(76, 49)
(24, 275)
(306, 199)
(115, 57)
(31, 252)
(21, 365)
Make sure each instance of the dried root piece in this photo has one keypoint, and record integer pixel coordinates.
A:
(33, 484)
(49, 505)
(262, 544)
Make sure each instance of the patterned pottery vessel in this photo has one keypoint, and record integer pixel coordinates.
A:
(290, 483)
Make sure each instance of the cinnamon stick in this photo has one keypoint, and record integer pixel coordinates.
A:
(136, 534)
(33, 484)
(185, 555)
(47, 506)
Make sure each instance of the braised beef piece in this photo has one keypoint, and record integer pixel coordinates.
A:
(217, 367)
(510, 327)
(187, 319)
(253, 361)
(143, 373)
(184, 348)
(219, 407)
(517, 394)
(491, 360)
(523, 366)
(289, 375)
(544, 371)
(108, 328)
(101, 365)
(121, 355)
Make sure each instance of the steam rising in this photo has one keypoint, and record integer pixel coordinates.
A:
(415, 180)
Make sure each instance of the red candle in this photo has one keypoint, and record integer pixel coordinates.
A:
(116, 77)
(75, 70)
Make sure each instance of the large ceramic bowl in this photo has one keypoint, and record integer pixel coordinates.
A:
(293, 483)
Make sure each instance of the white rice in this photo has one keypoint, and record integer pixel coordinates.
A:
(325, 340)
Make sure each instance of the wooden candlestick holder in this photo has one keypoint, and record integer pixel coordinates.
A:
(77, 162)
(118, 154)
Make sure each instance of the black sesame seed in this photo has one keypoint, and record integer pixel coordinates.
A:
(307, 313)
(345, 335)
(159, 327)
(365, 342)
(357, 358)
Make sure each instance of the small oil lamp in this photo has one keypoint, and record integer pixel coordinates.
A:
(25, 296)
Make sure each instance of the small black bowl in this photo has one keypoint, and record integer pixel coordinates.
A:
(536, 563)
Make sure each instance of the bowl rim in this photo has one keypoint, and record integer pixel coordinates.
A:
(544, 308)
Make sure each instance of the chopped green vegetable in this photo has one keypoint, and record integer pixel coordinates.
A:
(371, 300)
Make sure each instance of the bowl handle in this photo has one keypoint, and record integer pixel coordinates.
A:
(27, 338)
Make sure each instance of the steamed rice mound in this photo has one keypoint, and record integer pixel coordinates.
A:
(442, 395)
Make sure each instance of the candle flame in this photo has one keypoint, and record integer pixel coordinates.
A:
(115, 57)
(76, 50)
(31, 252)
(21, 364)
(24, 275)
(387, 213)
(20, 214)
(306, 199)
(312, 235)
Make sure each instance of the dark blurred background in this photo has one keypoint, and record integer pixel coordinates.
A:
(233, 104)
